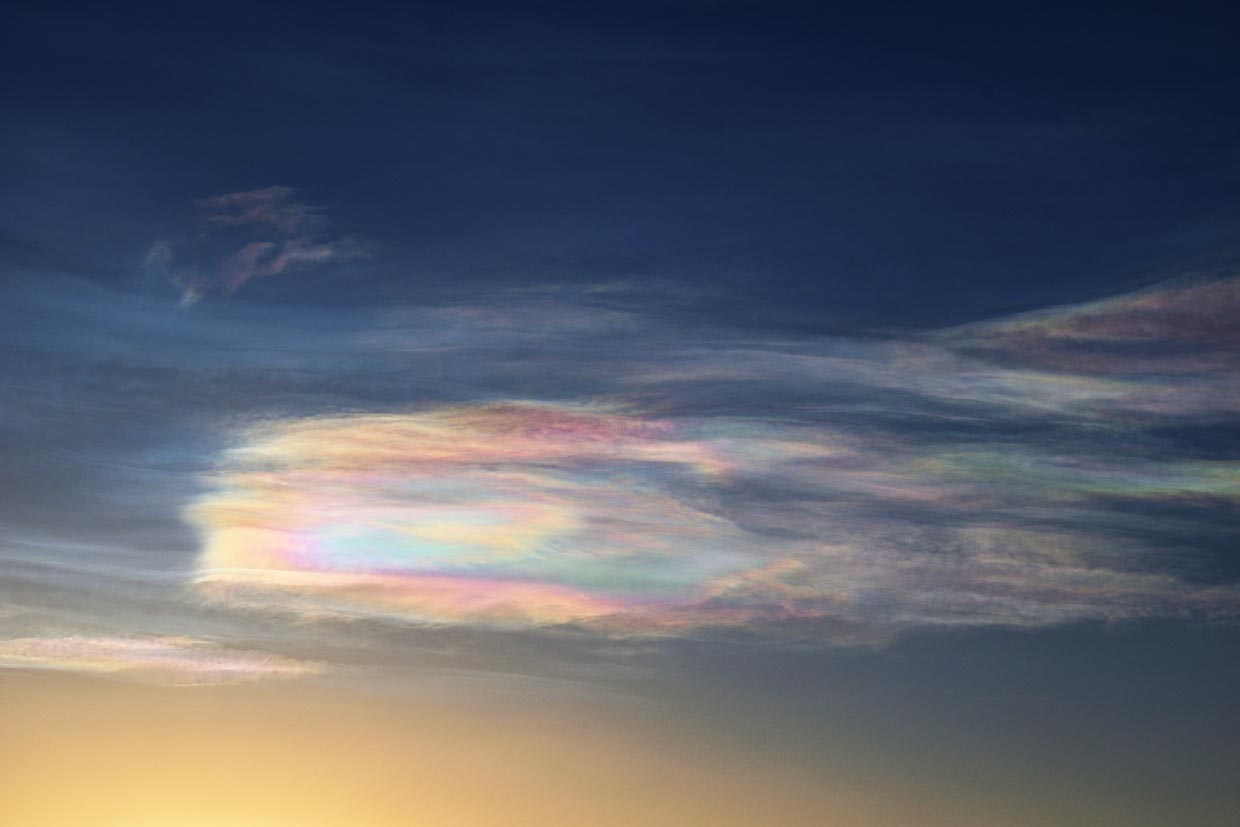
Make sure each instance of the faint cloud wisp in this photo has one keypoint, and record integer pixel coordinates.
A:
(277, 232)
(175, 661)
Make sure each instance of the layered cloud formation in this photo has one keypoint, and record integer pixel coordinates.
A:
(524, 514)
(604, 459)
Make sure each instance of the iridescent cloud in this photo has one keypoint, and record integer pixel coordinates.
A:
(165, 660)
(520, 515)
(506, 514)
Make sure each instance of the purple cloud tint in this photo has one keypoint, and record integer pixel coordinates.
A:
(282, 235)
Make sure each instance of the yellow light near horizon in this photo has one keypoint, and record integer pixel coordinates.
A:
(89, 753)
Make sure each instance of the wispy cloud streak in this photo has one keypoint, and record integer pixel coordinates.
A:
(284, 235)
(164, 660)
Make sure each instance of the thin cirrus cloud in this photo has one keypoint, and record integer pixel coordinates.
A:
(1166, 351)
(1188, 324)
(278, 235)
(164, 660)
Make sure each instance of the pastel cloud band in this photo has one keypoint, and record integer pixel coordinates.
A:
(526, 515)
(165, 660)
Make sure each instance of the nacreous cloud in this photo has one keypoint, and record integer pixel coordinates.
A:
(526, 515)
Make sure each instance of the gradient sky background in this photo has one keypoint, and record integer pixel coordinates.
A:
(681, 413)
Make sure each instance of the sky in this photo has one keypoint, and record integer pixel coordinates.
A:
(685, 413)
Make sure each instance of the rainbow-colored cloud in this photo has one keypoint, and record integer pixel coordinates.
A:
(524, 515)
(512, 514)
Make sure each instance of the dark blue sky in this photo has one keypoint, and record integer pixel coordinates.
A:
(885, 165)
